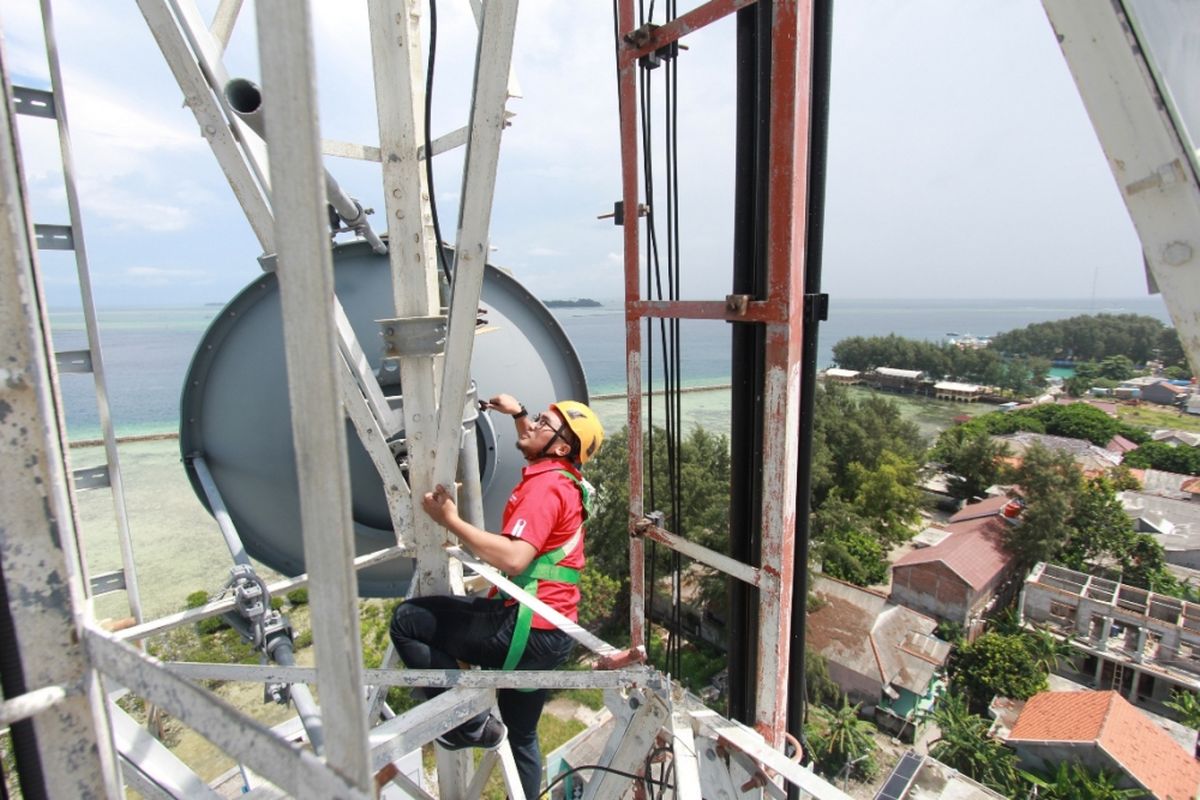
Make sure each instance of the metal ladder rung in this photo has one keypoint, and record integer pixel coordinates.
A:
(34, 102)
(91, 478)
(54, 237)
(108, 582)
(73, 360)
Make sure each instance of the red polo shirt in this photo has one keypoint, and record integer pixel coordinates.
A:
(545, 510)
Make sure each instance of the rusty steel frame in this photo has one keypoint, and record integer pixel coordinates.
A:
(781, 311)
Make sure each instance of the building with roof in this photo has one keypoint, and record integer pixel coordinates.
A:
(959, 392)
(1176, 438)
(1165, 394)
(966, 575)
(1174, 524)
(1143, 644)
(1120, 445)
(843, 376)
(1091, 459)
(896, 380)
(880, 654)
(1101, 730)
(1107, 406)
(1161, 483)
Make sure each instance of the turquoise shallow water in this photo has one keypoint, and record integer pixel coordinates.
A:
(147, 351)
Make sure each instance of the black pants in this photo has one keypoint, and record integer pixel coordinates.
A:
(437, 632)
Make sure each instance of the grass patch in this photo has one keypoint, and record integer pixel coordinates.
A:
(1152, 418)
(552, 733)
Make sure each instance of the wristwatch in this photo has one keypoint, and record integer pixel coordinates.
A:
(522, 413)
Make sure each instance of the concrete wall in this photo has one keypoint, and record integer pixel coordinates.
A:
(932, 589)
(858, 687)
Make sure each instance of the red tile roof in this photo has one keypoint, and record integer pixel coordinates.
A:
(1145, 752)
(1119, 444)
(974, 551)
(984, 508)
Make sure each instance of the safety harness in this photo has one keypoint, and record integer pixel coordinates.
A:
(546, 568)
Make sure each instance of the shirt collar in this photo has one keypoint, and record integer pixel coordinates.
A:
(549, 465)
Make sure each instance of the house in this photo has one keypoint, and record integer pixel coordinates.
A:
(1101, 730)
(1120, 445)
(1174, 524)
(965, 575)
(846, 377)
(880, 654)
(960, 392)
(896, 380)
(1143, 644)
(1161, 483)
(1176, 438)
(1165, 394)
(1091, 459)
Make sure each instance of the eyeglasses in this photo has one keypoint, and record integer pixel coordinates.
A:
(544, 420)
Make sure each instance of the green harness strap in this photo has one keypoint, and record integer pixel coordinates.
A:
(545, 568)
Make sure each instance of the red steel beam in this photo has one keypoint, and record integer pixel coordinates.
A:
(627, 92)
(753, 311)
(791, 67)
(662, 35)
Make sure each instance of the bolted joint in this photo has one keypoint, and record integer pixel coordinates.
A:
(413, 336)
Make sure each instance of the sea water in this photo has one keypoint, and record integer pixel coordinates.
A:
(147, 351)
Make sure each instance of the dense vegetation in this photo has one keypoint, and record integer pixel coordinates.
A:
(1095, 338)
(943, 360)
(1160, 455)
(1075, 421)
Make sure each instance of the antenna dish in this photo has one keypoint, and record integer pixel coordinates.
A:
(235, 412)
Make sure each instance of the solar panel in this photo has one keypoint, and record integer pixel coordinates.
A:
(896, 786)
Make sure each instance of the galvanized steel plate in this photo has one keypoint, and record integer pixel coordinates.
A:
(235, 412)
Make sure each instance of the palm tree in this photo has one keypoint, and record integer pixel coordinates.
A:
(839, 739)
(1189, 712)
(1048, 650)
(1074, 782)
(965, 745)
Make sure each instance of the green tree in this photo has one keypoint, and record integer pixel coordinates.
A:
(1048, 650)
(1160, 455)
(1117, 368)
(1050, 480)
(963, 743)
(854, 557)
(888, 496)
(839, 739)
(995, 664)
(819, 688)
(1073, 781)
(972, 458)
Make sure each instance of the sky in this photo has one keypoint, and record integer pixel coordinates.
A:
(961, 161)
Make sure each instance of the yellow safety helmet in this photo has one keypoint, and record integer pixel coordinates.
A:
(584, 423)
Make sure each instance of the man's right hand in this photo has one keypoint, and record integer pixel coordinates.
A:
(504, 403)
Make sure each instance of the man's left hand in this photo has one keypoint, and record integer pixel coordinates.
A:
(439, 505)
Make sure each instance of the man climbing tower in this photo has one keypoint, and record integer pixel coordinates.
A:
(540, 546)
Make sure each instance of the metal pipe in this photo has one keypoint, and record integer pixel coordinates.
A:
(302, 699)
(30, 704)
(245, 100)
(234, 542)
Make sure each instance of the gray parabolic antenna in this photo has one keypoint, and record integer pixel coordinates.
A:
(235, 412)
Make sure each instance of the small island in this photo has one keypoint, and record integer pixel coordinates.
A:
(578, 302)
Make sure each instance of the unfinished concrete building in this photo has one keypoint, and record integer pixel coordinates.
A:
(1143, 644)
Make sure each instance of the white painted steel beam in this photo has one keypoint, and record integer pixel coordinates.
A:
(438, 678)
(687, 763)
(30, 703)
(423, 723)
(363, 152)
(205, 103)
(413, 253)
(149, 767)
(212, 609)
(638, 718)
(41, 565)
(306, 290)
(492, 61)
(702, 554)
(298, 771)
(1152, 165)
(83, 271)
(750, 742)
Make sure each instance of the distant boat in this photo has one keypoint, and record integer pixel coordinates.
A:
(579, 302)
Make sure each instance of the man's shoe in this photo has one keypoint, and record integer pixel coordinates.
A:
(489, 737)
